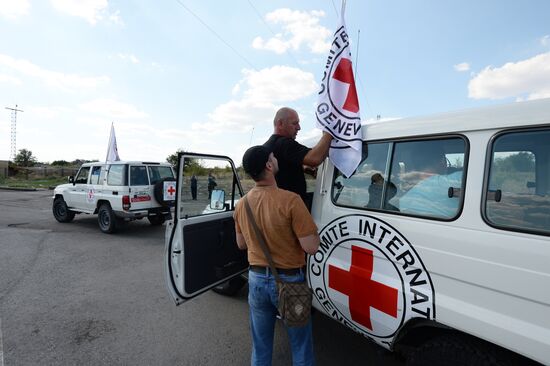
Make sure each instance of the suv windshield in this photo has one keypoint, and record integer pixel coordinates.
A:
(157, 173)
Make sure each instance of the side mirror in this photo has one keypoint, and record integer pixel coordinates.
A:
(70, 178)
(217, 200)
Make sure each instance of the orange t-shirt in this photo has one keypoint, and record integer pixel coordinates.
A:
(282, 217)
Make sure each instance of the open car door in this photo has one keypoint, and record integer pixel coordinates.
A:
(201, 248)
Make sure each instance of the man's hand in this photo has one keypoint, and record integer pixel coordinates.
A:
(310, 170)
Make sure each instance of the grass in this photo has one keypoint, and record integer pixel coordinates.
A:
(22, 182)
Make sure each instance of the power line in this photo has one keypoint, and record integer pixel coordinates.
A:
(216, 34)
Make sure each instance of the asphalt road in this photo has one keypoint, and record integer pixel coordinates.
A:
(70, 295)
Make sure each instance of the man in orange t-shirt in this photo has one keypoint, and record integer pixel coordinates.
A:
(289, 231)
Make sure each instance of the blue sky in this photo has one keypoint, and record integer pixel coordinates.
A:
(168, 82)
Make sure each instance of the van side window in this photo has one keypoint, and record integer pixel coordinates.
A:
(517, 196)
(425, 178)
(138, 176)
(364, 188)
(428, 175)
(116, 176)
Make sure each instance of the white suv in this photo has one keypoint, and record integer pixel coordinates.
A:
(118, 192)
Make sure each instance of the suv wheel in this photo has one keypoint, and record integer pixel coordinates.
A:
(60, 210)
(156, 220)
(106, 219)
(158, 192)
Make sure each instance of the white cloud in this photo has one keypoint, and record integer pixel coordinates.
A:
(9, 79)
(92, 11)
(13, 9)
(545, 41)
(113, 109)
(128, 57)
(263, 92)
(299, 28)
(52, 78)
(461, 67)
(527, 79)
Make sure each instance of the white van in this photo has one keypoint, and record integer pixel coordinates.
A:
(438, 244)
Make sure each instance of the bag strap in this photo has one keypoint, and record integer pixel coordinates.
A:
(261, 239)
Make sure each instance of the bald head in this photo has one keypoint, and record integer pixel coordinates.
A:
(286, 122)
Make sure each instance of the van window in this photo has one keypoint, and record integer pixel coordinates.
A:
(138, 176)
(428, 177)
(365, 187)
(517, 196)
(116, 175)
(425, 178)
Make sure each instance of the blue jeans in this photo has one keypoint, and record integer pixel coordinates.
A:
(263, 301)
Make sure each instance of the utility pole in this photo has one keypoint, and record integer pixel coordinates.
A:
(13, 131)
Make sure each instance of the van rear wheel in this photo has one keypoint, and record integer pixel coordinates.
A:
(106, 219)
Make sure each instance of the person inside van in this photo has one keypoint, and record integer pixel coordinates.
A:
(430, 195)
(375, 193)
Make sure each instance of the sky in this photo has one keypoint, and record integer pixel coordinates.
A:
(207, 76)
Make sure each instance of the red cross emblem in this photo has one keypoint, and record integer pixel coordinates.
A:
(344, 73)
(362, 291)
(171, 190)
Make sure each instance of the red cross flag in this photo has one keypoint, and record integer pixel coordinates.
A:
(338, 106)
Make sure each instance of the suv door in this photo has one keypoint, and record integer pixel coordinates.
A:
(201, 250)
(78, 191)
(140, 191)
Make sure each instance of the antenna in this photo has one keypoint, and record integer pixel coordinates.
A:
(251, 134)
(14, 111)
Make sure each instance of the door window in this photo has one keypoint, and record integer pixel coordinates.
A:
(82, 176)
(517, 196)
(204, 178)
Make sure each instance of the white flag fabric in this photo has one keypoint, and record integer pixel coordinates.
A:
(112, 150)
(338, 106)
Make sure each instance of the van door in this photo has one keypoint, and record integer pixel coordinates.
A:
(201, 249)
